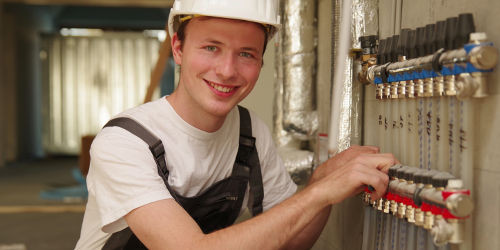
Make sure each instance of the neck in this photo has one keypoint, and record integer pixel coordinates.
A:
(195, 116)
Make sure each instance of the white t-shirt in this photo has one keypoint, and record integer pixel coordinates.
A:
(123, 174)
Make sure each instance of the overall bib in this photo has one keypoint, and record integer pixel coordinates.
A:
(219, 205)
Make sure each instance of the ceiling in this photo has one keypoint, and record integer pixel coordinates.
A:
(114, 3)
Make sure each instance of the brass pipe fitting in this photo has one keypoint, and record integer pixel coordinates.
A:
(387, 206)
(449, 86)
(394, 208)
(380, 204)
(458, 228)
(428, 87)
(419, 88)
(402, 89)
(379, 94)
(428, 220)
(386, 91)
(438, 86)
(410, 89)
(394, 90)
(472, 85)
(419, 217)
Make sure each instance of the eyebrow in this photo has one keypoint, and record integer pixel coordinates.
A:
(250, 49)
(215, 42)
(253, 49)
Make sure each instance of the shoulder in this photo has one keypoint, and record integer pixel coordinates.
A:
(261, 132)
(259, 127)
(148, 115)
(263, 141)
(115, 146)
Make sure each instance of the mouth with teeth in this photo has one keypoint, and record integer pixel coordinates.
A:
(221, 89)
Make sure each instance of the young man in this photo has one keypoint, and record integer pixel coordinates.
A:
(214, 167)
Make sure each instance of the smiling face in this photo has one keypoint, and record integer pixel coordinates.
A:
(220, 63)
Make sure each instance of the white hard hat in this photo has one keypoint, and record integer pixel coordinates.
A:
(260, 11)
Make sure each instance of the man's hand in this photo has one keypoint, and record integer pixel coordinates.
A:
(346, 178)
(341, 159)
(293, 224)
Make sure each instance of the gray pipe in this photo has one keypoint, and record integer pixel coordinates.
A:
(295, 118)
(299, 66)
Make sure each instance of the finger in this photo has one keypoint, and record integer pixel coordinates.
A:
(358, 190)
(365, 149)
(374, 149)
(371, 177)
(378, 181)
(381, 186)
(381, 162)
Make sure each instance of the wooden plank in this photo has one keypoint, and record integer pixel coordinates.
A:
(157, 73)
(138, 3)
(42, 209)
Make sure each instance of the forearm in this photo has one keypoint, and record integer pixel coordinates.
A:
(296, 222)
(273, 229)
(308, 236)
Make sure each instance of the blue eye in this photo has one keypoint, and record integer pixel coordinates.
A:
(246, 54)
(211, 48)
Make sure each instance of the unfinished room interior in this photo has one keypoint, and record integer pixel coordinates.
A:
(417, 79)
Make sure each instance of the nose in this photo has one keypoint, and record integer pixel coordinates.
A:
(226, 68)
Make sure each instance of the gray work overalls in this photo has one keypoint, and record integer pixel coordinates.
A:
(218, 206)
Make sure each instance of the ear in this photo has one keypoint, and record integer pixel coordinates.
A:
(177, 49)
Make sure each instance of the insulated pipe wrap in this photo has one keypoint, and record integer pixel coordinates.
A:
(294, 116)
(298, 163)
(299, 62)
(365, 22)
(281, 136)
(346, 124)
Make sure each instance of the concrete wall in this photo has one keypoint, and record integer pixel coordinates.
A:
(21, 110)
(28, 23)
(8, 118)
(118, 3)
(486, 218)
(2, 94)
(261, 99)
(344, 227)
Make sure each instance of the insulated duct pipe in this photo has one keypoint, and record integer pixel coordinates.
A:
(299, 64)
(351, 20)
(282, 137)
(357, 18)
(295, 118)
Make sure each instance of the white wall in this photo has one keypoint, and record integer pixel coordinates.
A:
(486, 217)
(261, 99)
(120, 3)
(8, 118)
(2, 93)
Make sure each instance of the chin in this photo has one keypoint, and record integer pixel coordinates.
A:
(221, 109)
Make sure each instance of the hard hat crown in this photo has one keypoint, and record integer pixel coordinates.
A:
(260, 11)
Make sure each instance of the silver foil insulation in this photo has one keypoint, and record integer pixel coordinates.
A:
(299, 68)
(348, 125)
(295, 117)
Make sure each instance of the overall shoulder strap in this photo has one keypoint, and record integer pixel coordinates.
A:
(252, 158)
(154, 143)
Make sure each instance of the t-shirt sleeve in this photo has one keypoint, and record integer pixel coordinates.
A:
(278, 185)
(122, 177)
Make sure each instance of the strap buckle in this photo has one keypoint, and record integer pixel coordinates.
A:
(157, 149)
(158, 152)
(248, 141)
(246, 147)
